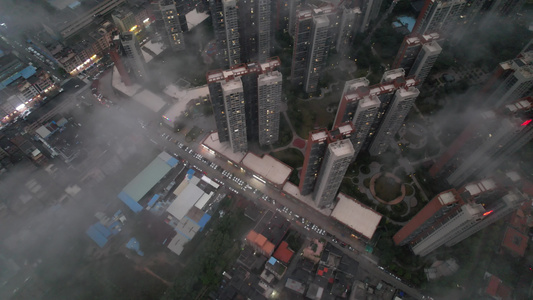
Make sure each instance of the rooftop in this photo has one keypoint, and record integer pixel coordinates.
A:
(267, 167)
(222, 148)
(283, 253)
(150, 100)
(356, 215)
(342, 148)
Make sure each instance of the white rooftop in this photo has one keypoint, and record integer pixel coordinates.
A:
(342, 148)
(409, 92)
(267, 167)
(175, 92)
(513, 175)
(223, 148)
(356, 216)
(194, 18)
(176, 244)
(345, 128)
(185, 201)
(433, 47)
(393, 74)
(317, 136)
(156, 48)
(119, 85)
(481, 186)
(370, 101)
(446, 198)
(150, 100)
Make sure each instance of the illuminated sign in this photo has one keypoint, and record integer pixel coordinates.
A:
(526, 122)
(488, 213)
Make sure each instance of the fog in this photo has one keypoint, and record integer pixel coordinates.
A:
(44, 222)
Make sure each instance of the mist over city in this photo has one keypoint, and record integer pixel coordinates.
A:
(266, 149)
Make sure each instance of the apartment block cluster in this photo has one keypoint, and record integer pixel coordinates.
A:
(456, 214)
(246, 103)
(21, 85)
(80, 33)
(501, 125)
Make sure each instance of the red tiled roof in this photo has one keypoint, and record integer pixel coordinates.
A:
(283, 253)
(515, 241)
(494, 282)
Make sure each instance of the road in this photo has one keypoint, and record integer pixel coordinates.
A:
(154, 133)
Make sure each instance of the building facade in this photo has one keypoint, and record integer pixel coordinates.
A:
(269, 102)
(338, 157)
(316, 150)
(168, 24)
(233, 93)
(424, 61)
(512, 80)
(410, 50)
(394, 117)
(439, 15)
(261, 96)
(134, 59)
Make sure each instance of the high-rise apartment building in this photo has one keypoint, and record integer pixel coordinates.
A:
(124, 19)
(410, 50)
(226, 26)
(231, 25)
(482, 10)
(233, 96)
(338, 156)
(512, 80)
(115, 52)
(370, 12)
(349, 26)
(439, 15)
(445, 203)
(424, 61)
(486, 143)
(316, 31)
(404, 99)
(269, 102)
(261, 96)
(367, 106)
(364, 117)
(168, 24)
(454, 215)
(219, 28)
(317, 53)
(301, 48)
(134, 59)
(315, 152)
(254, 27)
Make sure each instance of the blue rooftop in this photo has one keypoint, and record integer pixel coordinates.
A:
(26, 73)
(96, 236)
(272, 260)
(132, 204)
(203, 221)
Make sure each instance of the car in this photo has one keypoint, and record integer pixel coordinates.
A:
(351, 248)
(336, 242)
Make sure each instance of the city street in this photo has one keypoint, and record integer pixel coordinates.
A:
(154, 134)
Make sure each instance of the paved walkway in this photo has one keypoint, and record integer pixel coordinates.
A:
(375, 168)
